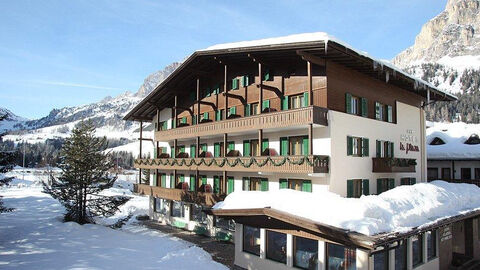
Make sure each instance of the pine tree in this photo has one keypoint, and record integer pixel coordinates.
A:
(84, 175)
(7, 159)
(146, 176)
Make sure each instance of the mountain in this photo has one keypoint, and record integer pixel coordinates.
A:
(11, 120)
(446, 53)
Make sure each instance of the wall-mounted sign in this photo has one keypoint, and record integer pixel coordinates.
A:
(408, 147)
(408, 141)
(446, 234)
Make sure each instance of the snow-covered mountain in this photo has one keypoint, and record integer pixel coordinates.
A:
(106, 114)
(446, 53)
(11, 120)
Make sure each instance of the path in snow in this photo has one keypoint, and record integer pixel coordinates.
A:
(34, 237)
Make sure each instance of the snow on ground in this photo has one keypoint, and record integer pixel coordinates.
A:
(397, 210)
(454, 135)
(33, 236)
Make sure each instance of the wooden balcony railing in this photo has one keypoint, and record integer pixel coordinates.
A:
(289, 118)
(382, 165)
(202, 198)
(278, 164)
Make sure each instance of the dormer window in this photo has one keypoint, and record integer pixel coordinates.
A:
(437, 141)
(474, 139)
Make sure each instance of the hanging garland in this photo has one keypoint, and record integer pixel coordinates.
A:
(220, 162)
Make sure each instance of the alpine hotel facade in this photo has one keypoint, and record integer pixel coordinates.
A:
(307, 115)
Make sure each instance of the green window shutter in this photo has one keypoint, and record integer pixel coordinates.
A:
(349, 188)
(379, 148)
(389, 114)
(391, 183)
(377, 111)
(247, 110)
(194, 119)
(246, 183)
(182, 178)
(305, 100)
(245, 81)
(283, 183)
(207, 92)
(233, 110)
(164, 180)
(172, 181)
(364, 107)
(172, 152)
(379, 186)
(216, 149)
(246, 148)
(230, 185)
(348, 103)
(307, 186)
(218, 115)
(184, 120)
(164, 125)
(284, 103)
(193, 149)
(264, 184)
(182, 149)
(264, 144)
(204, 147)
(192, 182)
(365, 187)
(349, 146)
(231, 146)
(365, 147)
(265, 104)
(267, 76)
(204, 179)
(305, 145)
(234, 84)
(391, 149)
(174, 123)
(155, 152)
(155, 175)
(205, 116)
(284, 146)
(216, 184)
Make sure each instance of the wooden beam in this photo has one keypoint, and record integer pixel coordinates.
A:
(198, 100)
(225, 90)
(225, 146)
(145, 139)
(140, 154)
(242, 99)
(312, 58)
(184, 108)
(310, 139)
(309, 83)
(260, 86)
(260, 139)
(175, 111)
(211, 104)
(270, 88)
(197, 148)
(174, 154)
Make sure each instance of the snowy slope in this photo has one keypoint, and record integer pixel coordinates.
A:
(454, 135)
(397, 210)
(11, 120)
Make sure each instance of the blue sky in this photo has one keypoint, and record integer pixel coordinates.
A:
(66, 53)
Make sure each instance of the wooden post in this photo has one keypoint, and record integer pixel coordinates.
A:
(198, 100)
(174, 179)
(224, 184)
(140, 154)
(260, 90)
(174, 148)
(309, 83)
(260, 139)
(310, 139)
(197, 149)
(197, 179)
(175, 111)
(225, 89)
(157, 144)
(225, 146)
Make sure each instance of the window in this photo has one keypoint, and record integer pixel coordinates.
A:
(255, 148)
(340, 257)
(268, 75)
(431, 244)
(251, 240)
(177, 209)
(254, 110)
(218, 149)
(277, 246)
(401, 256)
(357, 147)
(246, 80)
(379, 111)
(446, 174)
(296, 101)
(466, 173)
(204, 117)
(255, 183)
(218, 184)
(226, 224)
(193, 182)
(380, 260)
(235, 84)
(417, 250)
(203, 148)
(163, 180)
(219, 115)
(432, 173)
(408, 181)
(477, 173)
(357, 188)
(232, 111)
(437, 141)
(164, 125)
(356, 105)
(384, 149)
(473, 140)
(298, 145)
(193, 151)
(384, 184)
(296, 184)
(198, 215)
(230, 184)
(159, 206)
(305, 253)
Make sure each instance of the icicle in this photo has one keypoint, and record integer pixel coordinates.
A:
(387, 76)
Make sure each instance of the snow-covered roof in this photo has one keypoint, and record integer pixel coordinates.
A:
(398, 210)
(454, 135)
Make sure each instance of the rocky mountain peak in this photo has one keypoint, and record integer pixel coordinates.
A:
(454, 32)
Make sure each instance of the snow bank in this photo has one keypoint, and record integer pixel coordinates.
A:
(454, 135)
(397, 210)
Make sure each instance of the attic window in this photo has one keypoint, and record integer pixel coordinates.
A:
(474, 139)
(437, 141)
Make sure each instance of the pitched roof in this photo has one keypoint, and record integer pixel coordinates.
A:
(454, 135)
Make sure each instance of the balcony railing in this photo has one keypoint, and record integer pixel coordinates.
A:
(278, 164)
(202, 198)
(289, 118)
(384, 165)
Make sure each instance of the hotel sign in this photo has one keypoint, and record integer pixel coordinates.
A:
(408, 142)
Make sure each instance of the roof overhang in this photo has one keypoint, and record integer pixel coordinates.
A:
(200, 64)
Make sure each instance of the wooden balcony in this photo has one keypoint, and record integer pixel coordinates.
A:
(387, 165)
(202, 198)
(276, 164)
(289, 118)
